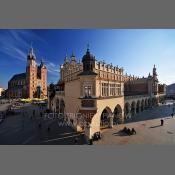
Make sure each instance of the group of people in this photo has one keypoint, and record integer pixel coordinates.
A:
(97, 136)
(128, 131)
(2, 116)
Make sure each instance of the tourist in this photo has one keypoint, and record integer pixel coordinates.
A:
(76, 140)
(95, 136)
(172, 115)
(33, 113)
(129, 132)
(124, 129)
(48, 129)
(39, 125)
(90, 142)
(100, 135)
(41, 114)
(133, 131)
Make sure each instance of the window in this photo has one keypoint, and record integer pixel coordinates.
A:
(87, 91)
(112, 89)
(118, 88)
(105, 89)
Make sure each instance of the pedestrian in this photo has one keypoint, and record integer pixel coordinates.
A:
(41, 114)
(23, 114)
(33, 113)
(39, 125)
(128, 131)
(133, 131)
(161, 122)
(76, 140)
(48, 129)
(100, 135)
(172, 115)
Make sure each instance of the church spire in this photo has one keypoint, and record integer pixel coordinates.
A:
(66, 60)
(42, 62)
(31, 52)
(73, 57)
(154, 72)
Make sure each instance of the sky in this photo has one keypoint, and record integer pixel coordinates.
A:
(136, 50)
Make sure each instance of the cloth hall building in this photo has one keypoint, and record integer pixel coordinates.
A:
(93, 95)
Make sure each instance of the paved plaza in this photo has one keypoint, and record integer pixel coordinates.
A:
(22, 129)
(148, 128)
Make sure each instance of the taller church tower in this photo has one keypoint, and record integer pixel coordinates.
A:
(155, 81)
(31, 74)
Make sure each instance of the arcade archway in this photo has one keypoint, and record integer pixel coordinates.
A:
(133, 108)
(138, 106)
(117, 115)
(105, 118)
(127, 110)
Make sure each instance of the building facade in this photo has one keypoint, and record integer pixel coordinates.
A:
(32, 83)
(93, 95)
(1, 91)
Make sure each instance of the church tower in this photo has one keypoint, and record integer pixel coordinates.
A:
(42, 75)
(155, 81)
(31, 74)
(88, 63)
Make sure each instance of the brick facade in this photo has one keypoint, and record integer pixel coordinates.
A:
(32, 83)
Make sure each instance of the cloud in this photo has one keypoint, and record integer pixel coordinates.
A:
(52, 68)
(16, 43)
(13, 45)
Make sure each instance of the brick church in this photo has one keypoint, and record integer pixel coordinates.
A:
(32, 83)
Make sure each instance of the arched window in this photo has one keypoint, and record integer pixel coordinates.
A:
(87, 91)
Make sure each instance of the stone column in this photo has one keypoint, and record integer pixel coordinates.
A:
(121, 117)
(129, 113)
(139, 109)
(135, 110)
(108, 89)
(111, 121)
(158, 101)
(88, 133)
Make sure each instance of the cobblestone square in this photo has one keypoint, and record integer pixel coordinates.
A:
(148, 128)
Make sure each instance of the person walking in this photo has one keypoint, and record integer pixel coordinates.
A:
(41, 114)
(39, 125)
(76, 140)
(48, 129)
(161, 122)
(33, 113)
(133, 131)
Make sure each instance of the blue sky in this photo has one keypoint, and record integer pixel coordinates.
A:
(136, 50)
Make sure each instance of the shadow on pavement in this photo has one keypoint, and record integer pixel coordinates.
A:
(120, 133)
(155, 126)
